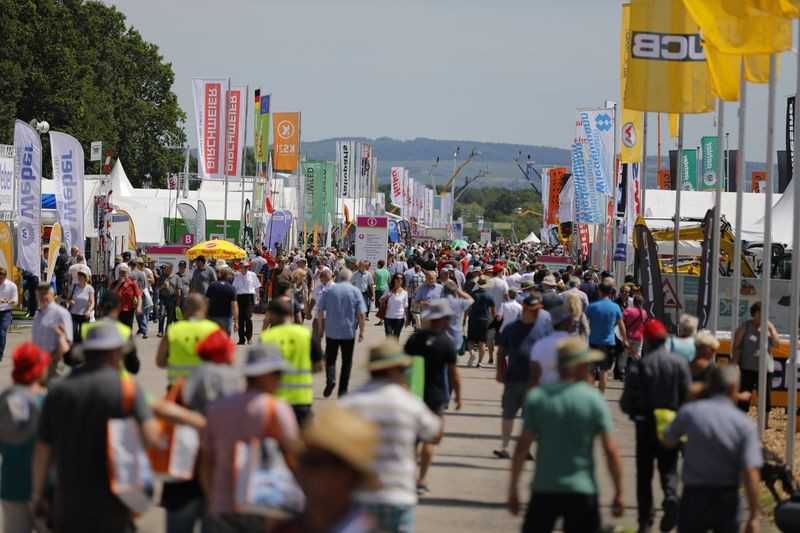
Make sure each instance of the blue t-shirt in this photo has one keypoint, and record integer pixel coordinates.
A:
(341, 304)
(603, 316)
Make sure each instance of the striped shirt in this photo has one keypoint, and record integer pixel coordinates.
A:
(402, 419)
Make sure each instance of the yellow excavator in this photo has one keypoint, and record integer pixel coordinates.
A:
(695, 233)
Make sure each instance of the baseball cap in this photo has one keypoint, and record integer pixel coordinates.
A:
(532, 299)
(654, 330)
(263, 359)
(387, 354)
(181, 263)
(30, 362)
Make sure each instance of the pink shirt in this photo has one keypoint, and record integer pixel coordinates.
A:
(634, 319)
(236, 418)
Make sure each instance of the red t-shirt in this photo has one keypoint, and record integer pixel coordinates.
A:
(634, 319)
(128, 292)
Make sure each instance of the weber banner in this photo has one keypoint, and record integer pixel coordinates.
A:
(594, 128)
(28, 177)
(286, 156)
(345, 156)
(710, 160)
(310, 169)
(588, 203)
(689, 170)
(706, 269)
(648, 269)
(396, 189)
(67, 156)
(6, 181)
(209, 117)
(234, 130)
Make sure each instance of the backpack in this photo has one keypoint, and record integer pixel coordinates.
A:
(633, 402)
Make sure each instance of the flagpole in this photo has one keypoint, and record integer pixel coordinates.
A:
(739, 177)
(643, 166)
(224, 173)
(676, 230)
(794, 314)
(243, 167)
(714, 325)
(766, 271)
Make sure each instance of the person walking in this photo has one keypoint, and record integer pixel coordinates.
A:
(604, 315)
(202, 277)
(655, 390)
(544, 352)
(395, 305)
(246, 284)
(433, 344)
(302, 353)
(363, 281)
(177, 350)
(138, 274)
(130, 295)
(683, 343)
(481, 315)
(403, 420)
(182, 282)
(381, 284)
(342, 310)
(81, 304)
(460, 301)
(745, 353)
(72, 436)
(9, 299)
(514, 347)
(52, 327)
(222, 305)
(565, 418)
(721, 451)
(167, 299)
(635, 316)
(244, 416)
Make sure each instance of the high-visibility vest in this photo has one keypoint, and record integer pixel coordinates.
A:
(294, 341)
(183, 337)
(124, 332)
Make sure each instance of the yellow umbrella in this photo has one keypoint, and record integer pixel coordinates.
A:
(216, 249)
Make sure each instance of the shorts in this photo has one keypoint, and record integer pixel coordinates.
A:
(606, 364)
(514, 394)
(491, 333)
(477, 330)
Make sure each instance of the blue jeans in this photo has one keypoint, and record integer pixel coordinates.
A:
(5, 323)
(183, 520)
(392, 518)
(141, 320)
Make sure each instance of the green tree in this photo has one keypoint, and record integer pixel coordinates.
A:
(77, 65)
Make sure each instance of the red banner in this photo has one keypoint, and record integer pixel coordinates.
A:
(556, 175)
(583, 234)
(212, 125)
(234, 102)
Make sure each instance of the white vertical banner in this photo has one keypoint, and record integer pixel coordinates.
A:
(200, 227)
(633, 207)
(406, 194)
(209, 116)
(545, 232)
(365, 170)
(430, 207)
(28, 177)
(68, 173)
(6, 181)
(235, 99)
(396, 184)
(594, 129)
(345, 156)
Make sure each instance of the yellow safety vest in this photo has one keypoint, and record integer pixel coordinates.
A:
(183, 337)
(124, 332)
(294, 340)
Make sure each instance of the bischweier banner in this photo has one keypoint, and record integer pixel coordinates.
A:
(790, 133)
(648, 269)
(588, 205)
(209, 117)
(67, 156)
(234, 130)
(706, 270)
(345, 155)
(595, 129)
(28, 177)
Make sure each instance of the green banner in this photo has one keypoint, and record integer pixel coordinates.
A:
(320, 180)
(330, 195)
(311, 170)
(689, 169)
(710, 164)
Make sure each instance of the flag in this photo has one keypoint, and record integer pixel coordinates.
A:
(52, 252)
(28, 179)
(709, 157)
(234, 130)
(667, 69)
(396, 186)
(209, 114)
(286, 155)
(689, 170)
(202, 218)
(646, 265)
(632, 127)
(673, 125)
(261, 126)
(346, 178)
(594, 130)
(67, 154)
(555, 181)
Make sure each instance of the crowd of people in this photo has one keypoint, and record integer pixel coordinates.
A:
(553, 338)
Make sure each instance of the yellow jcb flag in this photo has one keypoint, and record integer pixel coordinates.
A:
(725, 70)
(673, 125)
(781, 8)
(667, 70)
(741, 26)
(632, 124)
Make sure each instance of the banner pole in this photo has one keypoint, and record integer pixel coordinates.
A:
(739, 177)
(643, 166)
(766, 271)
(676, 230)
(794, 316)
(714, 325)
(243, 166)
(224, 173)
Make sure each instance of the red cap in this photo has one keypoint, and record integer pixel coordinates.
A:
(497, 269)
(217, 348)
(30, 363)
(654, 330)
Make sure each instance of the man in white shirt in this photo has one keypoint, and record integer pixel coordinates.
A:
(497, 289)
(325, 283)
(544, 353)
(246, 284)
(509, 310)
(9, 298)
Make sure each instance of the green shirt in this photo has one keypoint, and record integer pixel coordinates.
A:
(565, 418)
(381, 279)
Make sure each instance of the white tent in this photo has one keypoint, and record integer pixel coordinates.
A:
(531, 238)
(660, 207)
